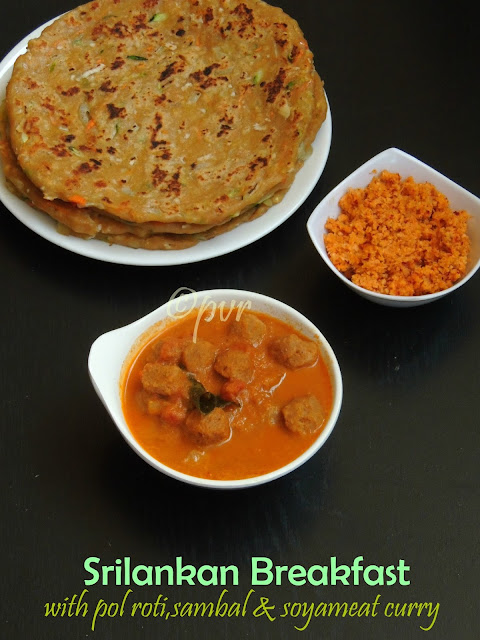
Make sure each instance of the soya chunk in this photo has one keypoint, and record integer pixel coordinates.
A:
(198, 356)
(169, 351)
(303, 415)
(249, 328)
(208, 429)
(165, 379)
(235, 364)
(294, 352)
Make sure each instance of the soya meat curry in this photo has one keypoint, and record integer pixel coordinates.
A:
(227, 399)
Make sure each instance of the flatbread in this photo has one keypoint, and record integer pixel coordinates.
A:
(186, 112)
(89, 223)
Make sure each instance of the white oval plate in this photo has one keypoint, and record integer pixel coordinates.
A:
(245, 234)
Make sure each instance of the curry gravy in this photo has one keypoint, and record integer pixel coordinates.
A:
(259, 441)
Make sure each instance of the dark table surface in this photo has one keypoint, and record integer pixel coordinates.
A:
(398, 479)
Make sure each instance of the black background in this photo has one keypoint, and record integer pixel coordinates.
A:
(398, 478)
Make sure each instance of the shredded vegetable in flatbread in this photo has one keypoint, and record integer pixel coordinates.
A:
(171, 122)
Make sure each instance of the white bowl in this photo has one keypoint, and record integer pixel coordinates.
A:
(110, 351)
(406, 165)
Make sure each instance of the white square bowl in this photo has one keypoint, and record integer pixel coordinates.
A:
(397, 161)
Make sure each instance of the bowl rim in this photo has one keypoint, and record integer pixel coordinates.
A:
(132, 332)
(320, 246)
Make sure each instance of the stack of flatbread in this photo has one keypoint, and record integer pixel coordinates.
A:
(158, 124)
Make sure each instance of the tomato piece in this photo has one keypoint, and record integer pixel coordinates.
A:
(231, 389)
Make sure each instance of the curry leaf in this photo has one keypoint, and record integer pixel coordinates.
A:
(204, 400)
